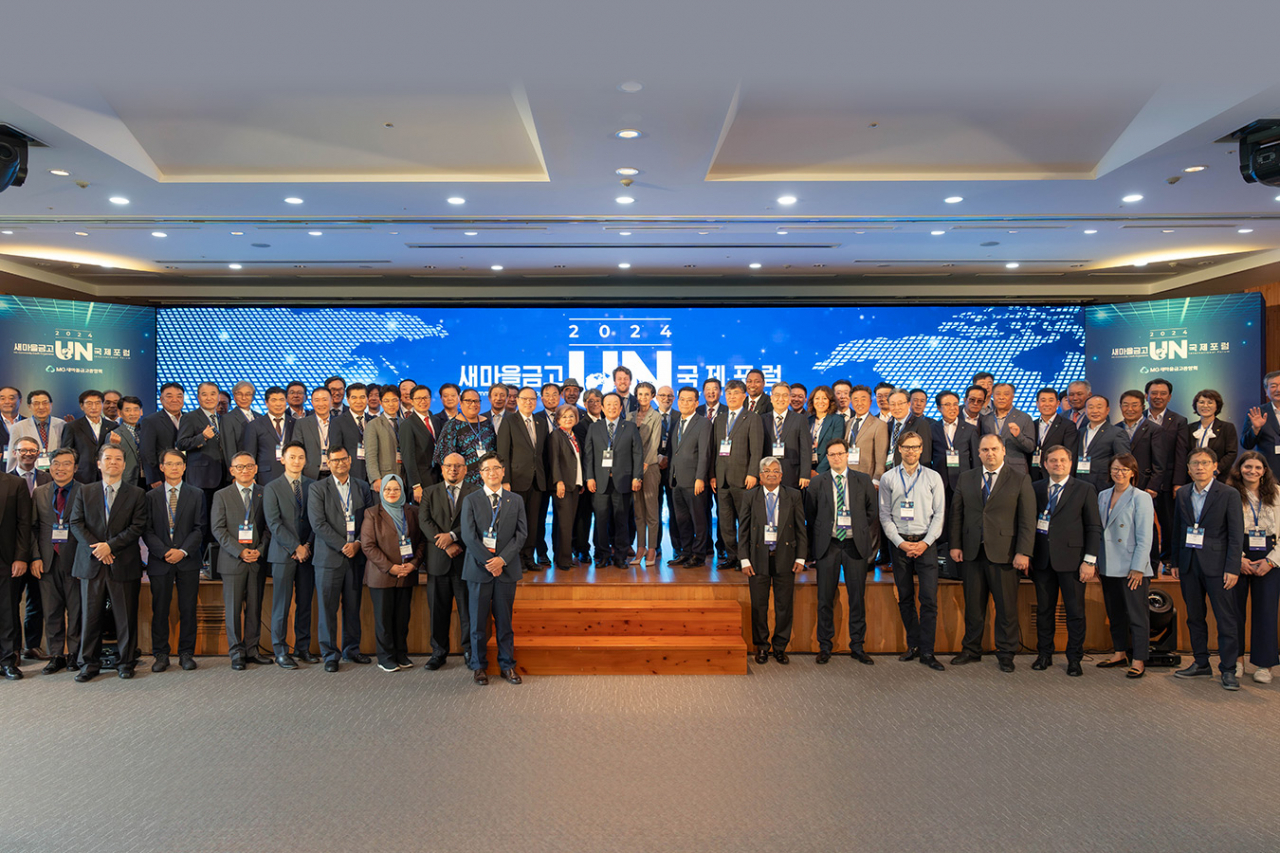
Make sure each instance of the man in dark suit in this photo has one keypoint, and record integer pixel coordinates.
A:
(241, 415)
(336, 507)
(127, 435)
(775, 545)
(418, 443)
(497, 406)
(737, 440)
(1262, 425)
(108, 519)
(622, 379)
(1208, 542)
(201, 437)
(1169, 443)
(493, 532)
(902, 419)
(1098, 441)
(786, 437)
(586, 510)
(266, 437)
(450, 396)
(1139, 432)
(1012, 425)
(1068, 536)
(538, 520)
(690, 462)
(240, 528)
(440, 517)
(841, 506)
(757, 401)
(89, 432)
(522, 445)
(955, 450)
(612, 461)
(160, 431)
(1052, 429)
(353, 425)
(993, 534)
(175, 528)
(322, 432)
(53, 554)
(711, 409)
(15, 553)
(293, 580)
(669, 414)
(28, 620)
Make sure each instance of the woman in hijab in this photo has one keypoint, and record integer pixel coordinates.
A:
(393, 547)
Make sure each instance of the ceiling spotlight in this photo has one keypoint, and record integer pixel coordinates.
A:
(624, 266)
(496, 267)
(627, 133)
(1195, 168)
(316, 233)
(6, 232)
(954, 199)
(1129, 199)
(1139, 263)
(1091, 230)
(82, 233)
(118, 199)
(471, 233)
(237, 233)
(624, 233)
(624, 199)
(630, 87)
(1012, 265)
(293, 199)
(456, 199)
(786, 199)
(754, 266)
(782, 232)
(158, 234)
(61, 173)
(937, 233)
(234, 266)
(1245, 231)
(627, 171)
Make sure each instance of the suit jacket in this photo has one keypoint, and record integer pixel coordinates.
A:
(381, 449)
(1075, 528)
(207, 460)
(15, 522)
(133, 466)
(762, 406)
(523, 459)
(380, 544)
(966, 447)
(42, 477)
(1169, 444)
(226, 516)
(833, 427)
(439, 419)
(26, 428)
(797, 445)
(1223, 443)
(307, 431)
(188, 529)
(122, 531)
(1018, 449)
(745, 453)
(872, 442)
(86, 446)
(488, 416)
(261, 440)
(328, 520)
(43, 518)
(1061, 431)
(922, 427)
(793, 536)
(690, 452)
(436, 516)
(418, 450)
(158, 435)
(1004, 526)
(1265, 440)
(820, 510)
(235, 424)
(1140, 447)
(1223, 524)
(1107, 444)
(628, 454)
(289, 523)
(511, 528)
(1127, 531)
(353, 437)
(564, 462)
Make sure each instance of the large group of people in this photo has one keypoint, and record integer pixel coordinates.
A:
(369, 487)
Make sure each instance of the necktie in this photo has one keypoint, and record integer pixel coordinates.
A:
(453, 497)
(431, 429)
(533, 435)
(297, 493)
(771, 506)
(777, 429)
(360, 423)
(493, 502)
(612, 427)
(841, 533)
(60, 507)
(43, 429)
(679, 433)
(987, 477)
(246, 495)
(897, 428)
(279, 431)
(857, 426)
(213, 421)
(733, 416)
(1054, 490)
(111, 497)
(173, 507)
(31, 481)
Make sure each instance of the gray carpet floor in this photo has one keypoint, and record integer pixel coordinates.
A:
(797, 758)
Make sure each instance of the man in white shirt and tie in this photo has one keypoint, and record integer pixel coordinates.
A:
(240, 528)
(1078, 393)
(440, 517)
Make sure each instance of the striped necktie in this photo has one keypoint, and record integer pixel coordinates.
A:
(841, 533)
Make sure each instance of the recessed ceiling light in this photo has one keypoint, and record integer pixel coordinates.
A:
(1139, 263)
(630, 87)
(82, 233)
(786, 199)
(1166, 230)
(954, 199)
(624, 233)
(61, 173)
(118, 199)
(782, 232)
(237, 233)
(293, 199)
(704, 232)
(234, 266)
(496, 267)
(1012, 265)
(456, 199)
(1132, 197)
(1091, 230)
(754, 266)
(316, 233)
(158, 234)
(937, 233)
(1195, 168)
(624, 199)
(627, 171)
(1245, 231)
(627, 133)
(624, 266)
(6, 232)
(471, 233)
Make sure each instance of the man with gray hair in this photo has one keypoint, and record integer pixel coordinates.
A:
(237, 421)
(1078, 393)
(773, 546)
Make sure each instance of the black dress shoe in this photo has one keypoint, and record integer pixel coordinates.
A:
(125, 672)
(304, 655)
(1229, 681)
(511, 676)
(1074, 668)
(358, 657)
(1042, 663)
(11, 672)
(1194, 671)
(1006, 664)
(331, 666)
(238, 665)
(723, 565)
(161, 663)
(600, 564)
(762, 655)
(695, 563)
(187, 661)
(286, 661)
(479, 676)
(910, 654)
(543, 560)
(932, 662)
(563, 567)
(861, 657)
(781, 657)
(433, 664)
(259, 660)
(677, 561)
(87, 674)
(73, 665)
(822, 657)
(55, 664)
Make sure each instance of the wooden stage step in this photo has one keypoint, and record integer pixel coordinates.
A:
(626, 637)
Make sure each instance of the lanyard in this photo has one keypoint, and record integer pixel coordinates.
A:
(493, 524)
(1040, 438)
(1203, 501)
(733, 417)
(615, 431)
(346, 502)
(817, 428)
(771, 508)
(1254, 509)
(951, 438)
(1204, 435)
(905, 488)
(324, 434)
(1088, 441)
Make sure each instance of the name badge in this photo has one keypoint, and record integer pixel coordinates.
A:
(726, 445)
(1035, 459)
(888, 459)
(42, 461)
(406, 548)
(1257, 539)
(779, 450)
(953, 459)
(360, 450)
(770, 534)
(844, 521)
(1195, 537)
(1276, 450)
(1082, 467)
(490, 539)
(855, 455)
(246, 534)
(279, 452)
(606, 459)
(1042, 523)
(907, 510)
(351, 525)
(60, 532)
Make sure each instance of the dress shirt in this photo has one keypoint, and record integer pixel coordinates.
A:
(344, 491)
(1197, 500)
(970, 421)
(248, 414)
(1156, 418)
(949, 430)
(1131, 428)
(835, 498)
(926, 493)
(1090, 433)
(1043, 429)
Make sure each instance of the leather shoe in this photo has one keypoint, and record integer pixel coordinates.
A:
(1006, 664)
(822, 657)
(479, 676)
(433, 663)
(305, 656)
(677, 561)
(11, 672)
(762, 655)
(695, 562)
(259, 660)
(511, 676)
(358, 657)
(286, 661)
(187, 661)
(125, 672)
(56, 663)
(331, 666)
(86, 674)
(910, 654)
(724, 565)
(1194, 671)
(781, 657)
(600, 564)
(238, 665)
(861, 657)
(34, 654)
(964, 658)
(161, 663)
(1229, 681)
(1074, 668)
(932, 662)
(620, 563)
(1042, 663)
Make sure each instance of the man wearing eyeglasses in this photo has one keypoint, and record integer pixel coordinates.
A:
(336, 507)
(240, 528)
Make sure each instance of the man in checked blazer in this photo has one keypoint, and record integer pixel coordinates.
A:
(173, 540)
(440, 517)
(240, 529)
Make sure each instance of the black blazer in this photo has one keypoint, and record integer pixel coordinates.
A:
(86, 446)
(1107, 444)
(690, 458)
(353, 439)
(158, 435)
(1149, 466)
(1075, 528)
(564, 461)
(236, 425)
(797, 444)
(43, 518)
(288, 521)
(123, 532)
(342, 433)
(1265, 440)
(207, 460)
(747, 435)
(820, 510)
(1004, 526)
(793, 538)
(435, 516)
(1224, 444)
(417, 451)
(188, 529)
(966, 446)
(15, 522)
(922, 427)
(1169, 445)
(524, 461)
(1223, 524)
(1062, 432)
(628, 454)
(261, 441)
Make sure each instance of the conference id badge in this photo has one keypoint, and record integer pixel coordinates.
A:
(60, 532)
(360, 450)
(1042, 523)
(1035, 459)
(246, 534)
(726, 445)
(770, 534)
(606, 459)
(888, 459)
(1082, 467)
(953, 459)
(844, 521)
(406, 548)
(279, 452)
(490, 540)
(907, 510)
(855, 455)
(1276, 450)
(351, 525)
(1195, 537)
(779, 450)
(1257, 539)
(42, 461)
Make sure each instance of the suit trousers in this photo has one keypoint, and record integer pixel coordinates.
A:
(565, 507)
(538, 527)
(667, 498)
(1129, 613)
(582, 524)
(28, 621)
(782, 581)
(187, 582)
(842, 556)
(536, 522)
(94, 594)
(921, 625)
(291, 583)
(497, 599)
(1048, 586)
(612, 509)
(1265, 592)
(730, 503)
(242, 608)
(1195, 588)
(648, 510)
(950, 569)
(689, 534)
(340, 585)
(442, 592)
(8, 625)
(210, 556)
(1162, 540)
(983, 578)
(60, 595)
(392, 607)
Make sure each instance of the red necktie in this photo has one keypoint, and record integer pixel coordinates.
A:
(430, 428)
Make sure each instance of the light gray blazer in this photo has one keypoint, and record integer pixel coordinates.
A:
(380, 447)
(1126, 533)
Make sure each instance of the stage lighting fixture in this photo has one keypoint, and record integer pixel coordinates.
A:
(13, 159)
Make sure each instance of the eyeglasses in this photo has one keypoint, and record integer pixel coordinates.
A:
(490, 469)
(836, 454)
(916, 447)
(467, 402)
(243, 467)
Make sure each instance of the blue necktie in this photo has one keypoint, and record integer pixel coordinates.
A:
(987, 477)
(771, 506)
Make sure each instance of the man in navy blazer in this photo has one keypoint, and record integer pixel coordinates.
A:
(202, 438)
(493, 530)
(955, 450)
(1051, 430)
(688, 469)
(1207, 544)
(160, 431)
(240, 528)
(1098, 441)
(791, 445)
(285, 504)
(612, 462)
(265, 438)
(173, 538)
(737, 446)
(336, 507)
(1262, 430)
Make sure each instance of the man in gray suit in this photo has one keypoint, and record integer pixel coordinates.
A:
(285, 502)
(46, 430)
(53, 556)
(336, 507)
(493, 530)
(612, 464)
(1013, 426)
(440, 517)
(176, 516)
(993, 535)
(689, 471)
(128, 437)
(240, 529)
(866, 435)
(322, 432)
(382, 441)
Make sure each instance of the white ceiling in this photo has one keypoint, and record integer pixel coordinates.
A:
(1042, 117)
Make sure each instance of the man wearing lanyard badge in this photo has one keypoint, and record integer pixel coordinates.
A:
(266, 436)
(335, 507)
(1051, 430)
(738, 442)
(774, 539)
(46, 430)
(955, 450)
(175, 529)
(293, 577)
(786, 437)
(1208, 542)
(240, 528)
(54, 555)
(1098, 441)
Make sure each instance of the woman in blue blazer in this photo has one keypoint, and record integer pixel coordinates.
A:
(1124, 566)
(825, 426)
